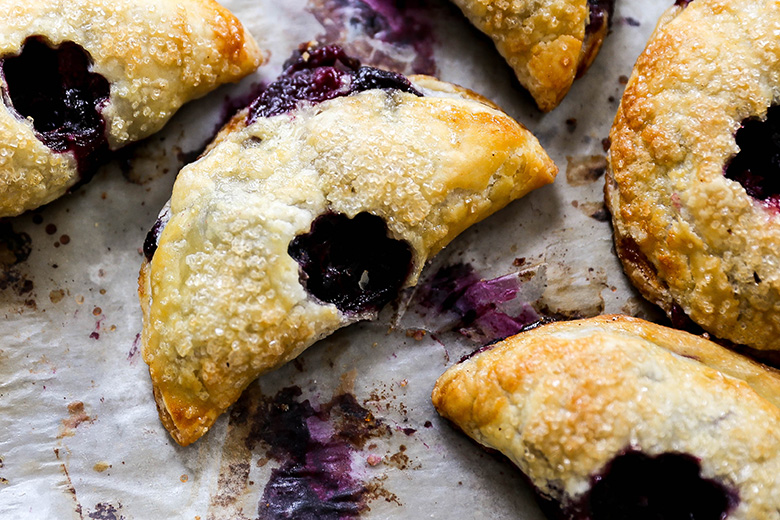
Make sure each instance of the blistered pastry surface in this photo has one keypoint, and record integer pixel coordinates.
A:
(701, 241)
(156, 55)
(563, 400)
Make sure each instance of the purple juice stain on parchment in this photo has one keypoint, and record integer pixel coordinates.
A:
(393, 34)
(314, 445)
(482, 310)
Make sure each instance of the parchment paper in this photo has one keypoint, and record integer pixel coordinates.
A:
(80, 436)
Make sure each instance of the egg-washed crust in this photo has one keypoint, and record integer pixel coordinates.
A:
(542, 40)
(687, 235)
(156, 55)
(563, 400)
(222, 299)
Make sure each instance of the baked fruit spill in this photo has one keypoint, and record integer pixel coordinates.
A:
(618, 418)
(55, 89)
(318, 74)
(311, 209)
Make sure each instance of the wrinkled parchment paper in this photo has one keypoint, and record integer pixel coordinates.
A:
(80, 436)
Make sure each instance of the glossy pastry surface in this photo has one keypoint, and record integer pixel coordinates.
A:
(616, 417)
(548, 43)
(311, 209)
(692, 186)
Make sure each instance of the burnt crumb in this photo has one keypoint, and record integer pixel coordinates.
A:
(571, 125)
(605, 144)
(632, 22)
(106, 511)
(428, 424)
(623, 79)
(756, 277)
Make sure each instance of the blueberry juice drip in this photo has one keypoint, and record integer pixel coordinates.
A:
(53, 87)
(318, 74)
(351, 263)
(669, 486)
(757, 165)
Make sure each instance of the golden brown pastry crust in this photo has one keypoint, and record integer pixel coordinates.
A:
(563, 400)
(222, 298)
(155, 54)
(542, 40)
(686, 234)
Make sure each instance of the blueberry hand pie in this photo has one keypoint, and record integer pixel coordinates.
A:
(694, 185)
(81, 78)
(617, 418)
(548, 43)
(313, 207)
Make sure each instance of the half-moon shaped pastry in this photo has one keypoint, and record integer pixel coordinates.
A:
(693, 186)
(616, 417)
(547, 43)
(310, 211)
(83, 77)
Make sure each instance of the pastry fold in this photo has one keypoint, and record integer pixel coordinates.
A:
(575, 405)
(223, 299)
(548, 43)
(145, 59)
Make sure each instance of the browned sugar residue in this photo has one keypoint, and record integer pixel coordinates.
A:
(77, 416)
(97, 311)
(56, 296)
(585, 169)
(101, 466)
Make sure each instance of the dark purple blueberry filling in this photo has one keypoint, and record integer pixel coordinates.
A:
(757, 165)
(351, 263)
(683, 3)
(635, 486)
(54, 88)
(153, 236)
(600, 13)
(318, 74)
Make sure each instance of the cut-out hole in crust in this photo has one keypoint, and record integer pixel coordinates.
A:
(316, 74)
(54, 88)
(757, 165)
(351, 263)
(669, 486)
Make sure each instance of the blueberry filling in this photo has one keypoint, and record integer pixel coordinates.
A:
(351, 263)
(54, 88)
(757, 165)
(318, 74)
(599, 21)
(636, 486)
(153, 236)
(600, 14)
(683, 3)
